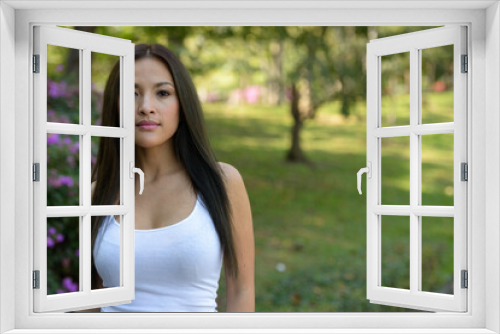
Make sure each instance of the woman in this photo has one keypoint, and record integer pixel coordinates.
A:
(194, 212)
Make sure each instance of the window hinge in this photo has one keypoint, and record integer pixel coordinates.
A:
(465, 63)
(465, 279)
(36, 172)
(36, 279)
(464, 172)
(36, 63)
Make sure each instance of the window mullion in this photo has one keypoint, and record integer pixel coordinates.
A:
(81, 224)
(86, 255)
(127, 147)
(414, 170)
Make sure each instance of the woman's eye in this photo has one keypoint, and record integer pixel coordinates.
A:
(163, 93)
(136, 94)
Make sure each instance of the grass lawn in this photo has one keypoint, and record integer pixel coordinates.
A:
(310, 221)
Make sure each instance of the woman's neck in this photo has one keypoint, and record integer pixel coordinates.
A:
(157, 162)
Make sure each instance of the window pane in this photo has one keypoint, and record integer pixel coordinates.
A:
(106, 231)
(437, 169)
(437, 84)
(63, 169)
(395, 257)
(101, 69)
(63, 262)
(437, 254)
(395, 170)
(105, 160)
(395, 92)
(63, 86)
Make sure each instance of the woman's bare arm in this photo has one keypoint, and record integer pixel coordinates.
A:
(240, 291)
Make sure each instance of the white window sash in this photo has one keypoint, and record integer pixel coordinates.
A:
(414, 297)
(86, 297)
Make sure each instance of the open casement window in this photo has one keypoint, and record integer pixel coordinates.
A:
(417, 148)
(67, 129)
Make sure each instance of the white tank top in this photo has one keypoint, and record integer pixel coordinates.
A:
(177, 267)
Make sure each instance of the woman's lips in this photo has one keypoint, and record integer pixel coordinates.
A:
(148, 126)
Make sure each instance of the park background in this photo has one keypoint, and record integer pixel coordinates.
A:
(298, 154)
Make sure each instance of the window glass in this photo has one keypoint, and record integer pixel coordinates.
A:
(106, 268)
(395, 92)
(63, 169)
(63, 80)
(437, 84)
(437, 169)
(106, 156)
(63, 255)
(437, 254)
(395, 255)
(102, 66)
(395, 170)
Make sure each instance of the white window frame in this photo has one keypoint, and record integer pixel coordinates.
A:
(413, 44)
(483, 21)
(85, 43)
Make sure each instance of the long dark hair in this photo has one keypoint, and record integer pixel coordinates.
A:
(191, 146)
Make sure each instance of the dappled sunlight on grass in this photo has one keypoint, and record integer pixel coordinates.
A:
(309, 220)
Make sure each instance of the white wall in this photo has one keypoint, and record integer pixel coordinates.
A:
(22, 117)
(492, 172)
(7, 161)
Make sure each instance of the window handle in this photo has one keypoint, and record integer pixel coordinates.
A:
(368, 171)
(141, 175)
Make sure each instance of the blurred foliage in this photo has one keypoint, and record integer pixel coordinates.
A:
(63, 169)
(309, 221)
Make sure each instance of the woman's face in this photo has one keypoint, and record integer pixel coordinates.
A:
(156, 103)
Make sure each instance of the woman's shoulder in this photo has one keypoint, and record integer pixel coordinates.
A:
(233, 180)
(230, 172)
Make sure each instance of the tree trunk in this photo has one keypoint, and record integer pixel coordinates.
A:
(295, 154)
(280, 78)
(345, 105)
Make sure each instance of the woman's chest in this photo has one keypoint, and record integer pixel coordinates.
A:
(188, 251)
(161, 207)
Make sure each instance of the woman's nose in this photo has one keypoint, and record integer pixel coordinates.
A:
(146, 105)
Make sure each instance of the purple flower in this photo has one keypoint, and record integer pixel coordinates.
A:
(54, 182)
(59, 67)
(57, 89)
(77, 253)
(71, 161)
(60, 291)
(50, 242)
(52, 230)
(59, 237)
(66, 180)
(67, 141)
(51, 114)
(74, 148)
(52, 138)
(53, 89)
(68, 283)
(62, 180)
